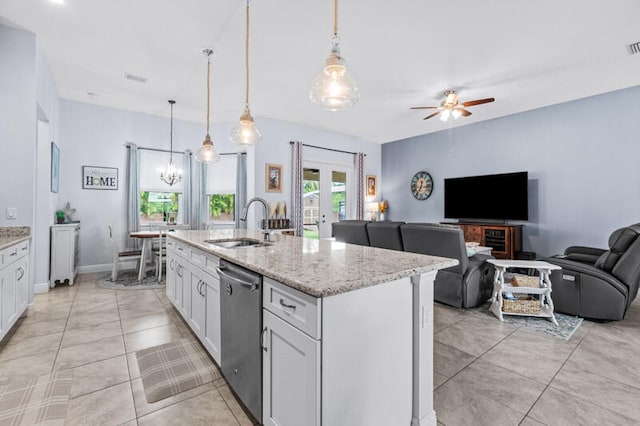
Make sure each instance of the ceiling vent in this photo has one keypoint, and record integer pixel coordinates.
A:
(634, 48)
(134, 77)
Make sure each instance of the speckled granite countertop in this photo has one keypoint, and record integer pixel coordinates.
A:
(317, 267)
(11, 235)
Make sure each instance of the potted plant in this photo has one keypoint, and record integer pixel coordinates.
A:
(60, 216)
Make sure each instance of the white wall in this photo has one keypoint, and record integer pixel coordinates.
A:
(95, 136)
(18, 129)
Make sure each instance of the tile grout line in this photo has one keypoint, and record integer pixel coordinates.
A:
(126, 361)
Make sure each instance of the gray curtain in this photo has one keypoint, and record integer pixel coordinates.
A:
(296, 188)
(241, 190)
(186, 187)
(359, 166)
(133, 193)
(199, 214)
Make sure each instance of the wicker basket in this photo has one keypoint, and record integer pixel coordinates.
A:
(524, 305)
(525, 281)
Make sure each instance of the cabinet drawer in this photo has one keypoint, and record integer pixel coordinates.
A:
(197, 257)
(297, 308)
(211, 263)
(182, 250)
(13, 253)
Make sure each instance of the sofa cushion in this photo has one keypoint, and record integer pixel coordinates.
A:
(385, 235)
(351, 231)
(619, 242)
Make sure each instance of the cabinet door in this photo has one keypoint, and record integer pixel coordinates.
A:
(184, 282)
(21, 275)
(212, 318)
(198, 287)
(180, 284)
(170, 286)
(291, 375)
(9, 307)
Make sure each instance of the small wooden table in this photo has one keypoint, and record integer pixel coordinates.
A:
(147, 237)
(544, 291)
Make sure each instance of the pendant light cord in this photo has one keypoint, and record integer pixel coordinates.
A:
(171, 133)
(208, 89)
(335, 18)
(246, 61)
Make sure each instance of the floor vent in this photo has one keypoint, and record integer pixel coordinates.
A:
(634, 48)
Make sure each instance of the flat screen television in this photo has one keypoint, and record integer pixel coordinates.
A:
(501, 197)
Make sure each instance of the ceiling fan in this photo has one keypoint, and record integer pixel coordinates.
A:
(451, 108)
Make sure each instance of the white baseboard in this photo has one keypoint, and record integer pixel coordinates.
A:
(41, 288)
(105, 267)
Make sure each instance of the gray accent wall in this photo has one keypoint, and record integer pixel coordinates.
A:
(582, 158)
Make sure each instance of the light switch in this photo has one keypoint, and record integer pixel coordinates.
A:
(11, 213)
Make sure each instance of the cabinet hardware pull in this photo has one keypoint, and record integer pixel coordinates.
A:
(14, 253)
(24, 248)
(21, 273)
(264, 348)
(287, 305)
(179, 270)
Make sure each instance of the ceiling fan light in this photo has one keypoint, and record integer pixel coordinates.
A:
(445, 115)
(456, 113)
(334, 88)
(245, 132)
(207, 153)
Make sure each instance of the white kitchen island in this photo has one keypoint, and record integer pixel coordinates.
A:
(347, 330)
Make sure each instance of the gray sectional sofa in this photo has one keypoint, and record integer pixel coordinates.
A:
(466, 285)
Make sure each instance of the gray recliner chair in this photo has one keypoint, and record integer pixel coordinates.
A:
(351, 231)
(385, 235)
(596, 283)
(467, 285)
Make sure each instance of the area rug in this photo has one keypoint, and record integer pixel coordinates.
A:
(128, 280)
(174, 367)
(35, 401)
(567, 324)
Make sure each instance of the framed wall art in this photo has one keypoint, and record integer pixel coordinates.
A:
(99, 177)
(273, 178)
(372, 186)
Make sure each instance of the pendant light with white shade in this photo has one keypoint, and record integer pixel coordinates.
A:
(245, 132)
(334, 88)
(207, 152)
(171, 176)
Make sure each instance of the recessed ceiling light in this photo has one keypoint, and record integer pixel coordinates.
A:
(57, 1)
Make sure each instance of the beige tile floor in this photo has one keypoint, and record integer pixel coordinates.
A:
(485, 372)
(95, 332)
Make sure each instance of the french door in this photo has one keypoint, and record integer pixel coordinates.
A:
(327, 192)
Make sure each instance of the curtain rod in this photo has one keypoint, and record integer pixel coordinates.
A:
(327, 149)
(183, 152)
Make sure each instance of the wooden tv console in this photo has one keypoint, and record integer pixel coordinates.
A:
(505, 240)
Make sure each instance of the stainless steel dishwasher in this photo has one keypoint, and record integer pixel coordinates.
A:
(241, 320)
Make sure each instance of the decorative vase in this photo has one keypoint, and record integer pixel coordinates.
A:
(60, 220)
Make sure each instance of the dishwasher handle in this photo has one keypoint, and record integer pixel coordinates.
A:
(236, 280)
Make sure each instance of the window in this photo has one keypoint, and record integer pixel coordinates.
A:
(220, 190)
(159, 202)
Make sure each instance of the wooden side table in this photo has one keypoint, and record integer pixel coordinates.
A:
(543, 291)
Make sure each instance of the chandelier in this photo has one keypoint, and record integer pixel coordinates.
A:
(171, 176)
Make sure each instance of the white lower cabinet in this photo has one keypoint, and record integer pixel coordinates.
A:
(198, 285)
(194, 290)
(291, 375)
(212, 336)
(14, 284)
(64, 253)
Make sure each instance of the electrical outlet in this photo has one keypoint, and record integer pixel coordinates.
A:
(11, 213)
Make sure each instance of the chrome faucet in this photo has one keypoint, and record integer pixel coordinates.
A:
(266, 231)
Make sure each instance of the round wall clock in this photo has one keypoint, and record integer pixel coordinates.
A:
(421, 185)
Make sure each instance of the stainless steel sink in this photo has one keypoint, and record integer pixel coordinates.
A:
(237, 243)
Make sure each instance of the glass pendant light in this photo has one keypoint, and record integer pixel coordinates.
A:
(334, 88)
(171, 176)
(207, 152)
(245, 132)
